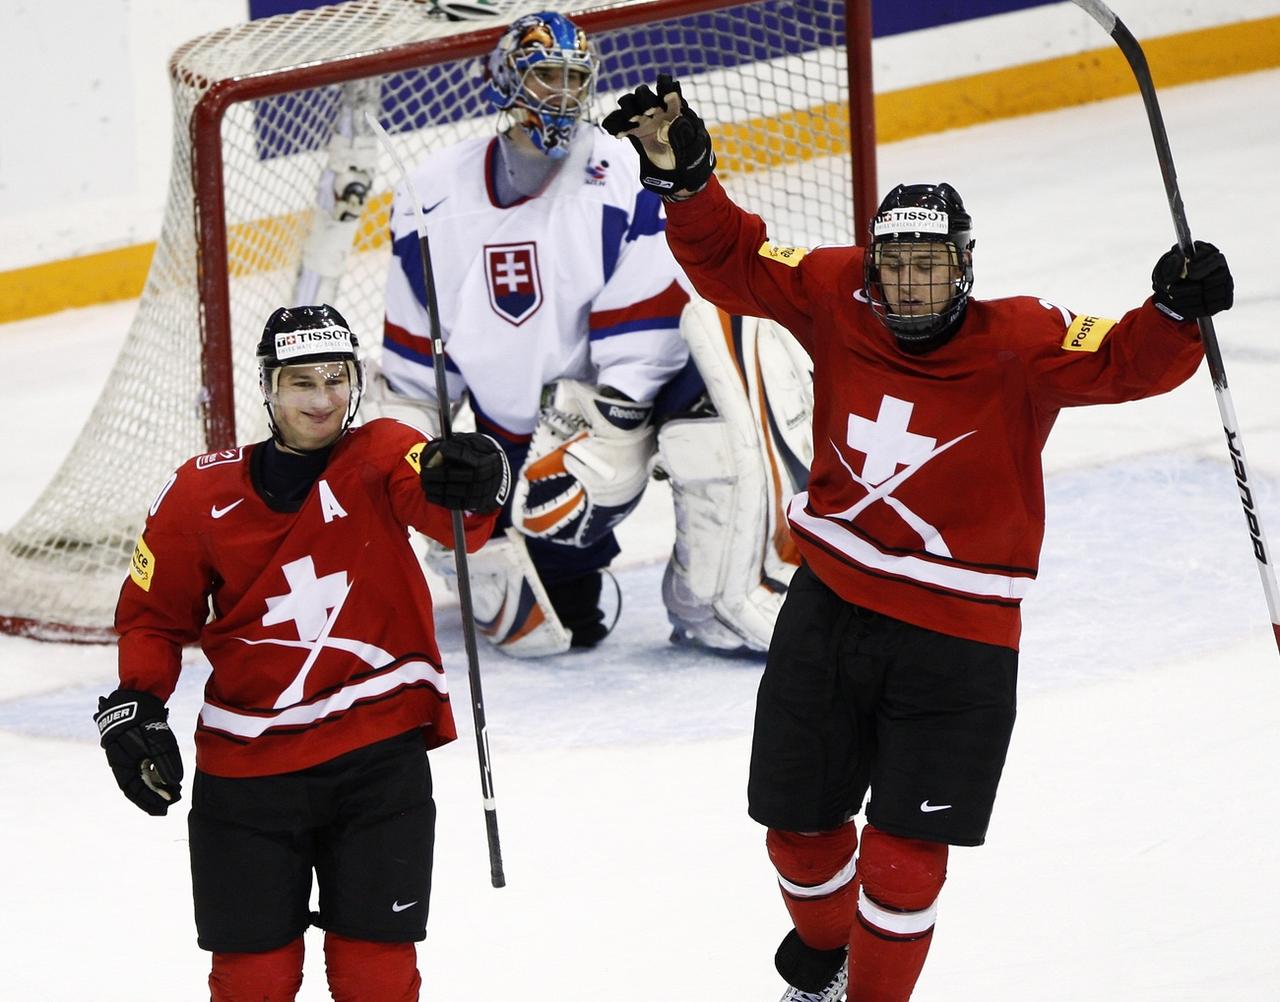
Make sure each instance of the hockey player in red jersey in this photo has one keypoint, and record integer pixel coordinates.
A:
(893, 665)
(289, 562)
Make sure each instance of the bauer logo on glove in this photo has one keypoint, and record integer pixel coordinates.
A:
(587, 467)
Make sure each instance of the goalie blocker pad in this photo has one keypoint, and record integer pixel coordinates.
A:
(587, 465)
(731, 476)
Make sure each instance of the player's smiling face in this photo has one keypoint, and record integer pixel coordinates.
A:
(310, 404)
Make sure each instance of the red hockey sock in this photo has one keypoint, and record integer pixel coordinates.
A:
(273, 976)
(900, 882)
(361, 971)
(816, 875)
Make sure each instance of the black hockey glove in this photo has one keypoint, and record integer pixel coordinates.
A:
(1199, 286)
(468, 472)
(674, 146)
(141, 750)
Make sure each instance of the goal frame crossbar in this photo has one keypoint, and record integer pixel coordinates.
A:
(213, 279)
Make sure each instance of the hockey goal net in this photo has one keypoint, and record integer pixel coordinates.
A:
(258, 109)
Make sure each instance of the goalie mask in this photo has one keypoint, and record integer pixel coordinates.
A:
(919, 268)
(542, 76)
(310, 375)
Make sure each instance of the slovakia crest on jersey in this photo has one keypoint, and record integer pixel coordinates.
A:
(515, 288)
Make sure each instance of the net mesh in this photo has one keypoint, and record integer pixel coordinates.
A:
(769, 78)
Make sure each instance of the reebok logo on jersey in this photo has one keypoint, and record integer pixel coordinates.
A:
(1087, 333)
(217, 512)
(142, 566)
(790, 256)
(929, 808)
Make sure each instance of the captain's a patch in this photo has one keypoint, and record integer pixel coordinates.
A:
(1087, 333)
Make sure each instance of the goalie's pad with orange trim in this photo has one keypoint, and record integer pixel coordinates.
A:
(511, 607)
(587, 465)
(731, 477)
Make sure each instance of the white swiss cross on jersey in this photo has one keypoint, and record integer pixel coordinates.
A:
(888, 444)
(515, 288)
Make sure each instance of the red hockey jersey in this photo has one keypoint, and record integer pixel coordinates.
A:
(318, 623)
(925, 499)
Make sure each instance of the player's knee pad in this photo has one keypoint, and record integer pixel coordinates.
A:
(587, 465)
(813, 863)
(731, 476)
(817, 878)
(361, 971)
(900, 882)
(512, 609)
(270, 976)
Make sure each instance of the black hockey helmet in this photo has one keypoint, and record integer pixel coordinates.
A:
(922, 214)
(308, 335)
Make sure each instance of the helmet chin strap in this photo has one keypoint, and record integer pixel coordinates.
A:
(927, 343)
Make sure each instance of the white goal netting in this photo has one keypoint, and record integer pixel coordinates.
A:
(770, 78)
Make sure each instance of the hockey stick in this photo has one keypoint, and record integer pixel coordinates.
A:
(496, 874)
(1132, 51)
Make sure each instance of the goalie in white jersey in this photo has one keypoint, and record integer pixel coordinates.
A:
(561, 312)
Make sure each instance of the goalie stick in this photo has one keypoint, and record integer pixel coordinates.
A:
(1137, 60)
(496, 874)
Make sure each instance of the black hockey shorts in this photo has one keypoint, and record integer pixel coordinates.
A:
(851, 699)
(363, 822)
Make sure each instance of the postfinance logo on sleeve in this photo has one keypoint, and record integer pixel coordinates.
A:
(414, 457)
(143, 565)
(790, 256)
(1087, 333)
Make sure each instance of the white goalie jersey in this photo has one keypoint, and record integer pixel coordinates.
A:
(575, 282)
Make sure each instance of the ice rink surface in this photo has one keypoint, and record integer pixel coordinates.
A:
(1132, 854)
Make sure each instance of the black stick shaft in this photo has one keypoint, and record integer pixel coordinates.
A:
(1137, 60)
(496, 874)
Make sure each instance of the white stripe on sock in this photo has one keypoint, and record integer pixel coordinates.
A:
(901, 923)
(828, 887)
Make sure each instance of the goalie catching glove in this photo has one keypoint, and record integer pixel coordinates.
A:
(676, 159)
(587, 464)
(141, 750)
(467, 472)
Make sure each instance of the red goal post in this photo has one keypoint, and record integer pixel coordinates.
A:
(784, 86)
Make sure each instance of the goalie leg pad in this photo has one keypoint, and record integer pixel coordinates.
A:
(587, 466)
(512, 609)
(731, 477)
(706, 587)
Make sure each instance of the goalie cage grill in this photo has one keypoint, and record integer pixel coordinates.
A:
(255, 107)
